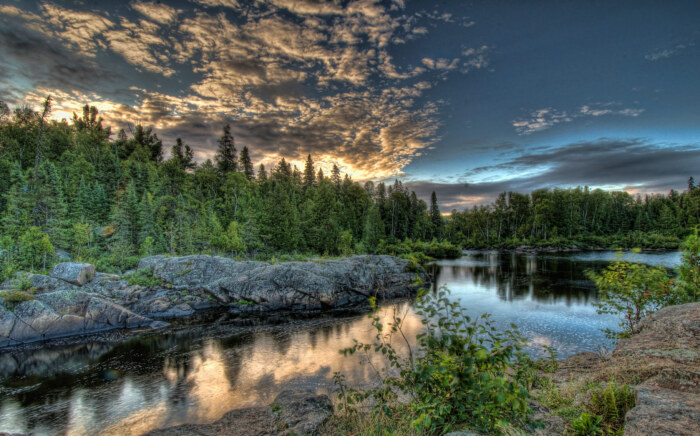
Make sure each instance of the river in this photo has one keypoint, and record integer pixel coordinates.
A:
(197, 372)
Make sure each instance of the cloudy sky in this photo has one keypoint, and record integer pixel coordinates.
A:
(465, 98)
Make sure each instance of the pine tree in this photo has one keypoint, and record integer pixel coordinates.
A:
(309, 175)
(226, 154)
(49, 210)
(126, 218)
(262, 174)
(435, 216)
(183, 155)
(16, 217)
(148, 227)
(335, 176)
(247, 164)
(691, 183)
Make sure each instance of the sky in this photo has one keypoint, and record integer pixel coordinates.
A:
(465, 98)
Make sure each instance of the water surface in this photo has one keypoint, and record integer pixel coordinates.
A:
(194, 374)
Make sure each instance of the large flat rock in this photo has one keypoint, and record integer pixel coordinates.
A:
(75, 273)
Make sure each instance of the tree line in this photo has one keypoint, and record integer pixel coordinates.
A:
(74, 188)
(69, 186)
(588, 218)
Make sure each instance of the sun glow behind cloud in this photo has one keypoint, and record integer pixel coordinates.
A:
(291, 77)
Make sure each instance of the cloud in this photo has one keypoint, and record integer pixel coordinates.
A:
(141, 44)
(31, 57)
(546, 118)
(158, 12)
(475, 59)
(616, 164)
(665, 53)
(292, 77)
(541, 119)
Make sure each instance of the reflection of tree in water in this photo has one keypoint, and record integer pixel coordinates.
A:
(517, 276)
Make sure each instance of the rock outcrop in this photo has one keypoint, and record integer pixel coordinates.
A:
(75, 273)
(65, 313)
(293, 285)
(662, 361)
(666, 346)
(75, 300)
(292, 413)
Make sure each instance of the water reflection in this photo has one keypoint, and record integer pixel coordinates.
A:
(195, 374)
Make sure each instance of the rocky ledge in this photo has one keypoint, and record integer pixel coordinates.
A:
(75, 300)
(292, 413)
(662, 360)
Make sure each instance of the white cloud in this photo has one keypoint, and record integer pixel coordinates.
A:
(546, 118)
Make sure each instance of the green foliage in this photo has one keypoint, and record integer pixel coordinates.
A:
(587, 425)
(34, 249)
(633, 291)
(345, 243)
(420, 249)
(611, 405)
(144, 277)
(461, 374)
(689, 271)
(581, 216)
(111, 198)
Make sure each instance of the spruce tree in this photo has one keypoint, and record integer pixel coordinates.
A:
(126, 219)
(16, 216)
(226, 154)
(335, 176)
(247, 164)
(49, 210)
(262, 174)
(309, 174)
(435, 216)
(183, 155)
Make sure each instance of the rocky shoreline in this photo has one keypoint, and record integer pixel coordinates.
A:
(75, 300)
(660, 361)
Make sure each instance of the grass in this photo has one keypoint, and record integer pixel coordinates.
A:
(10, 299)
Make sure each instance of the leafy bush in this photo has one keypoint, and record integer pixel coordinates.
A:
(461, 374)
(633, 291)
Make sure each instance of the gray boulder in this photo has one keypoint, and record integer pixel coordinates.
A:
(73, 272)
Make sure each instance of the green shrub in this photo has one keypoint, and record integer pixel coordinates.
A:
(462, 373)
(586, 425)
(612, 404)
(144, 277)
(633, 291)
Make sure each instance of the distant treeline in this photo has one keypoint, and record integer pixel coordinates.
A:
(69, 186)
(587, 218)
